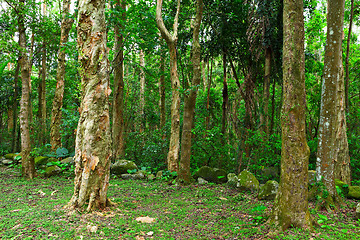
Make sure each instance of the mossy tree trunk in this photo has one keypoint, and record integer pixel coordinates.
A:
(118, 95)
(27, 162)
(184, 175)
(330, 97)
(142, 90)
(15, 107)
(93, 142)
(291, 204)
(56, 113)
(171, 40)
(42, 97)
(162, 89)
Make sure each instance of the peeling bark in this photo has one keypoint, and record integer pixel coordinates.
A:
(291, 204)
(56, 113)
(93, 143)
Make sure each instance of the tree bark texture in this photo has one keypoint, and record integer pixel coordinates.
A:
(15, 107)
(171, 40)
(27, 162)
(225, 102)
(142, 90)
(93, 141)
(56, 113)
(184, 175)
(347, 80)
(333, 74)
(118, 95)
(42, 97)
(264, 117)
(162, 91)
(291, 204)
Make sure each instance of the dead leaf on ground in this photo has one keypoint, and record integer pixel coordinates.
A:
(145, 219)
(139, 238)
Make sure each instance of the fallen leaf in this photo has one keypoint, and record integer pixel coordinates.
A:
(92, 229)
(222, 198)
(41, 193)
(53, 193)
(150, 233)
(145, 219)
(139, 238)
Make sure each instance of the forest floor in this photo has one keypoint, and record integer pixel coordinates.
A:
(34, 210)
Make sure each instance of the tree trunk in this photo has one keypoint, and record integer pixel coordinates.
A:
(15, 108)
(142, 90)
(162, 90)
(291, 204)
(171, 40)
(184, 175)
(264, 117)
(93, 140)
(56, 113)
(42, 97)
(326, 155)
(272, 109)
(225, 102)
(118, 96)
(347, 80)
(10, 120)
(27, 162)
(207, 119)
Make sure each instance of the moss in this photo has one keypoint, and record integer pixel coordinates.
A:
(52, 171)
(40, 161)
(354, 192)
(269, 190)
(211, 174)
(232, 180)
(247, 181)
(343, 186)
(11, 156)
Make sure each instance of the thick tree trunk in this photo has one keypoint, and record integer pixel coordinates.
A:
(118, 95)
(327, 153)
(347, 80)
(15, 108)
(291, 204)
(27, 162)
(184, 175)
(93, 141)
(142, 90)
(42, 98)
(171, 40)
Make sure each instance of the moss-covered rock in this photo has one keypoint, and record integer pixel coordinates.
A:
(139, 175)
(122, 167)
(269, 190)
(151, 177)
(312, 177)
(354, 192)
(247, 181)
(11, 156)
(343, 186)
(52, 171)
(211, 174)
(68, 160)
(41, 160)
(232, 180)
(159, 174)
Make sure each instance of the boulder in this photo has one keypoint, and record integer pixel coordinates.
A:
(139, 175)
(358, 211)
(151, 177)
(68, 160)
(202, 181)
(343, 186)
(122, 167)
(41, 160)
(312, 176)
(159, 174)
(247, 181)
(126, 176)
(7, 162)
(11, 156)
(52, 171)
(354, 192)
(232, 179)
(269, 190)
(211, 174)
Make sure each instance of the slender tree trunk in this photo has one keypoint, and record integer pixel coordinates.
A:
(347, 80)
(142, 90)
(326, 155)
(118, 96)
(207, 119)
(42, 97)
(225, 102)
(10, 120)
(184, 175)
(31, 61)
(27, 162)
(171, 40)
(291, 204)
(15, 107)
(264, 117)
(162, 91)
(93, 140)
(272, 108)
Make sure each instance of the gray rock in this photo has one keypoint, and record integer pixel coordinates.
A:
(151, 177)
(312, 176)
(269, 190)
(354, 192)
(211, 174)
(126, 176)
(52, 171)
(68, 160)
(139, 175)
(41, 160)
(232, 179)
(247, 181)
(358, 211)
(7, 162)
(202, 181)
(159, 174)
(122, 167)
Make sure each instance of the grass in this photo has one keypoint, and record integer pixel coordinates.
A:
(34, 210)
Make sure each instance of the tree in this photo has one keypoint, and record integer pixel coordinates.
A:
(93, 142)
(171, 40)
(56, 113)
(291, 204)
(330, 101)
(190, 100)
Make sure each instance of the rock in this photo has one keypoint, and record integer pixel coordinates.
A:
(139, 175)
(122, 167)
(202, 181)
(126, 176)
(343, 186)
(358, 211)
(40, 161)
(247, 181)
(269, 190)
(11, 156)
(7, 162)
(151, 177)
(232, 179)
(52, 171)
(159, 174)
(68, 160)
(354, 192)
(211, 174)
(312, 177)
